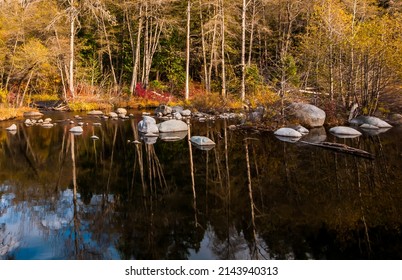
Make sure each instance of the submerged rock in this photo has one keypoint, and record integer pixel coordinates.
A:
(345, 132)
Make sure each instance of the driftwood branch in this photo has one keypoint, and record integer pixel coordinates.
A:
(341, 148)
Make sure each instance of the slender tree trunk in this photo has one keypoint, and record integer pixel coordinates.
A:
(72, 37)
(243, 51)
(223, 42)
(109, 51)
(187, 90)
(250, 49)
(134, 77)
(204, 53)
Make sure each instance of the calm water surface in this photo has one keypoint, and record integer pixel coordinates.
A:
(250, 197)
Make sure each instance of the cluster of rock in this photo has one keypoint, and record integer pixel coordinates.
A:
(165, 112)
(172, 127)
(119, 113)
(46, 123)
(312, 117)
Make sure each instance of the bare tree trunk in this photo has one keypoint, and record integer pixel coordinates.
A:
(222, 11)
(109, 50)
(72, 37)
(250, 49)
(204, 53)
(243, 51)
(134, 77)
(187, 90)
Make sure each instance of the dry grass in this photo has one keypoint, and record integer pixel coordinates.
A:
(12, 113)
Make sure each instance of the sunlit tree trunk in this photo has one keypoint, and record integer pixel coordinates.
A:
(137, 51)
(72, 37)
(223, 42)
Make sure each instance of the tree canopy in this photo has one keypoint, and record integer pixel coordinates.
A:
(349, 49)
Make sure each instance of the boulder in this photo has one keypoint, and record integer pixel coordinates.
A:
(359, 120)
(345, 132)
(288, 132)
(148, 125)
(172, 126)
(307, 115)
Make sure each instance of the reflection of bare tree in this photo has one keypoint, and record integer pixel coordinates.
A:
(76, 220)
(190, 150)
(254, 250)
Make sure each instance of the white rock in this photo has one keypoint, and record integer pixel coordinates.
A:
(76, 129)
(12, 127)
(172, 126)
(345, 131)
(148, 125)
(288, 132)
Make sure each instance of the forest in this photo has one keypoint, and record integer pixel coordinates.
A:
(248, 50)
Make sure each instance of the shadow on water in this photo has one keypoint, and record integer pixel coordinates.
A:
(121, 196)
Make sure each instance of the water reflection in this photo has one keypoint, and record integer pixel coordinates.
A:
(250, 197)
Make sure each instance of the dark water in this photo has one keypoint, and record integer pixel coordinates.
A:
(251, 197)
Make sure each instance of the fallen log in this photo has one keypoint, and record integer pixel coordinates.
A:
(341, 148)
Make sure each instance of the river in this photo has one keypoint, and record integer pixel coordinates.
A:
(252, 196)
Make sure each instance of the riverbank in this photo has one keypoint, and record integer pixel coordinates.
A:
(266, 112)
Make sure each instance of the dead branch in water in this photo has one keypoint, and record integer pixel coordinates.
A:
(341, 148)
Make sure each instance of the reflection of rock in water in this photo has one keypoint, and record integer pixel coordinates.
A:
(149, 139)
(202, 142)
(316, 135)
(172, 136)
(373, 132)
(288, 139)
